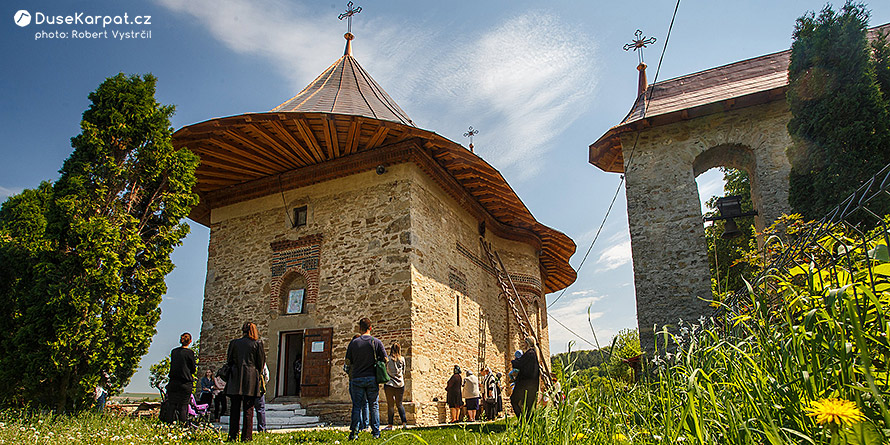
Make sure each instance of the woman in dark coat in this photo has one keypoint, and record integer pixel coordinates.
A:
(182, 371)
(525, 392)
(453, 391)
(246, 359)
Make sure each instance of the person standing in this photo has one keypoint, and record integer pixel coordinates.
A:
(489, 394)
(260, 404)
(452, 390)
(219, 397)
(246, 359)
(363, 422)
(395, 387)
(500, 402)
(100, 395)
(362, 354)
(525, 391)
(181, 379)
(471, 395)
(206, 395)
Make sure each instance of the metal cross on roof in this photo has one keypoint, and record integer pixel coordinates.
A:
(350, 11)
(639, 42)
(469, 134)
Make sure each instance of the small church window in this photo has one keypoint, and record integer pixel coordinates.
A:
(457, 305)
(300, 214)
(293, 298)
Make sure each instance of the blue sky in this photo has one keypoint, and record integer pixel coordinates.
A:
(540, 80)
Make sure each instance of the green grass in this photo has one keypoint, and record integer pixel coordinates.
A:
(93, 428)
(745, 378)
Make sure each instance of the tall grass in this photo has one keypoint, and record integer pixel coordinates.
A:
(748, 377)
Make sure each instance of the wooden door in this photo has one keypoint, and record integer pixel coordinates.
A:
(317, 362)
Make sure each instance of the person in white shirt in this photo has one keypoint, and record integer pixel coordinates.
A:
(471, 395)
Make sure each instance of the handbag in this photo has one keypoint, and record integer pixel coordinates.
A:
(223, 372)
(380, 372)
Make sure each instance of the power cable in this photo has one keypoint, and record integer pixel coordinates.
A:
(627, 167)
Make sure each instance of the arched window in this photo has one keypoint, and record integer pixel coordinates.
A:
(293, 295)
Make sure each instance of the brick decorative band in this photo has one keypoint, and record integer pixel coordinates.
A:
(293, 258)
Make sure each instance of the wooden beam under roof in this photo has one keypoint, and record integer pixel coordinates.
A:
(309, 138)
(298, 148)
(249, 145)
(276, 145)
(231, 153)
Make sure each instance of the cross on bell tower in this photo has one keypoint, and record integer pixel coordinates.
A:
(639, 43)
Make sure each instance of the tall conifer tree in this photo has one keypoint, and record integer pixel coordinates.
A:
(86, 293)
(839, 118)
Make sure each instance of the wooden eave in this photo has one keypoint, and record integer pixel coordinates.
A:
(252, 155)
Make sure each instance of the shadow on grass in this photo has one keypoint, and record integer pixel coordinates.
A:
(499, 426)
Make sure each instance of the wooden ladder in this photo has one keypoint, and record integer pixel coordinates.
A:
(517, 308)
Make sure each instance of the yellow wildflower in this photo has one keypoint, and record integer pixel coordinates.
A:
(835, 411)
(579, 436)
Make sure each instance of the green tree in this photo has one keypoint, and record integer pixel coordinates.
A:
(95, 268)
(159, 374)
(729, 269)
(839, 123)
(625, 345)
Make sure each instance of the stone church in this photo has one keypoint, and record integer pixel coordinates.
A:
(333, 206)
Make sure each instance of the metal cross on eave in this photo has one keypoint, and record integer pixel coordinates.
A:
(639, 42)
(350, 11)
(469, 134)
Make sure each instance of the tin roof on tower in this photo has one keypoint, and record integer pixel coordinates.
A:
(346, 88)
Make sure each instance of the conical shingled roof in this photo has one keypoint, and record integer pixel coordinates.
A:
(346, 88)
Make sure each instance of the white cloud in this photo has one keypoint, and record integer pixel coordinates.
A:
(521, 83)
(281, 32)
(710, 184)
(574, 314)
(7, 192)
(615, 256)
(584, 293)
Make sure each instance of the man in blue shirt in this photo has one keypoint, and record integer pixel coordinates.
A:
(362, 354)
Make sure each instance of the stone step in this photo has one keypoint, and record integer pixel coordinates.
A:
(282, 406)
(291, 413)
(279, 421)
(284, 426)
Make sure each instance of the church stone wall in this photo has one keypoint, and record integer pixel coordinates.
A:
(449, 266)
(671, 270)
(360, 223)
(393, 247)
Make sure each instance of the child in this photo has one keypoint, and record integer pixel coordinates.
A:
(514, 373)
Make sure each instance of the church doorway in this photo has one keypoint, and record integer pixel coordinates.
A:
(290, 364)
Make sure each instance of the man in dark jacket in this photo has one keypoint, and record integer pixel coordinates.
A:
(246, 358)
(362, 354)
(525, 392)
